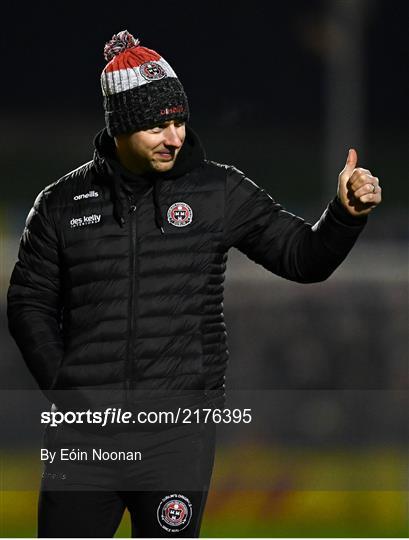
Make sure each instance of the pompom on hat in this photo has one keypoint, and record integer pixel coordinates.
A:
(140, 88)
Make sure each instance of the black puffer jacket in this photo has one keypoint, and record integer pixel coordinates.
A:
(111, 293)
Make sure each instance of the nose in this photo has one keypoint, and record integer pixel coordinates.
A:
(172, 137)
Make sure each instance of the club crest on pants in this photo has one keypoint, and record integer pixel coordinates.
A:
(180, 214)
(174, 513)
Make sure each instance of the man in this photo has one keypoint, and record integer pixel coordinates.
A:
(116, 298)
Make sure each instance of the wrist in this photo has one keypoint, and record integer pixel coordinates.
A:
(341, 213)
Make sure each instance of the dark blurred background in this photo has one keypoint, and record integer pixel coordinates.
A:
(280, 90)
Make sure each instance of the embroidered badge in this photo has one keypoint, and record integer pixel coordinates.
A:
(174, 513)
(180, 214)
(151, 71)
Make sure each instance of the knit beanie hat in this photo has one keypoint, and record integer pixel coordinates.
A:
(140, 88)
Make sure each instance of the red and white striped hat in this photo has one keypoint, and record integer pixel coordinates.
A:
(140, 88)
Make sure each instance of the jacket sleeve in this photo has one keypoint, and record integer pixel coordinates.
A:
(33, 300)
(282, 242)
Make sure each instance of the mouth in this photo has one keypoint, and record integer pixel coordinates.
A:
(166, 155)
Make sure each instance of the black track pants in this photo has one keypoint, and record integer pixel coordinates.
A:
(165, 491)
(93, 514)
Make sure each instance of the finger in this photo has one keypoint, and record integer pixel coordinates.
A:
(369, 187)
(350, 164)
(360, 173)
(352, 159)
(373, 198)
(361, 177)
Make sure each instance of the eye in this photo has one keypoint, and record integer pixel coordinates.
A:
(156, 129)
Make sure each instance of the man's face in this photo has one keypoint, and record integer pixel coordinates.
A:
(152, 149)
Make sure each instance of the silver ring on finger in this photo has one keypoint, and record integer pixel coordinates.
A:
(373, 188)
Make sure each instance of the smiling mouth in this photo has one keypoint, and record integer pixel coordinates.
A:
(168, 156)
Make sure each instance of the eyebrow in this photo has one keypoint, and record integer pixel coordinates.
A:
(168, 122)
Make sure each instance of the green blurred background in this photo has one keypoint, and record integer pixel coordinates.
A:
(276, 512)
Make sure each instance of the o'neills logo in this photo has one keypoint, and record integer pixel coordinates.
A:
(180, 214)
(172, 110)
(86, 195)
(85, 220)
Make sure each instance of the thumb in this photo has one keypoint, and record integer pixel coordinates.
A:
(351, 162)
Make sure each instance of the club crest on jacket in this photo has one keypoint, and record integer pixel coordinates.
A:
(180, 214)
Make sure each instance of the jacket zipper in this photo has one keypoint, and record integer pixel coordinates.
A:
(132, 296)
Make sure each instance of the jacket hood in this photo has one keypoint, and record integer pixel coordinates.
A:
(107, 165)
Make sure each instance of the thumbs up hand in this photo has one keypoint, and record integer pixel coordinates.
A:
(358, 191)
